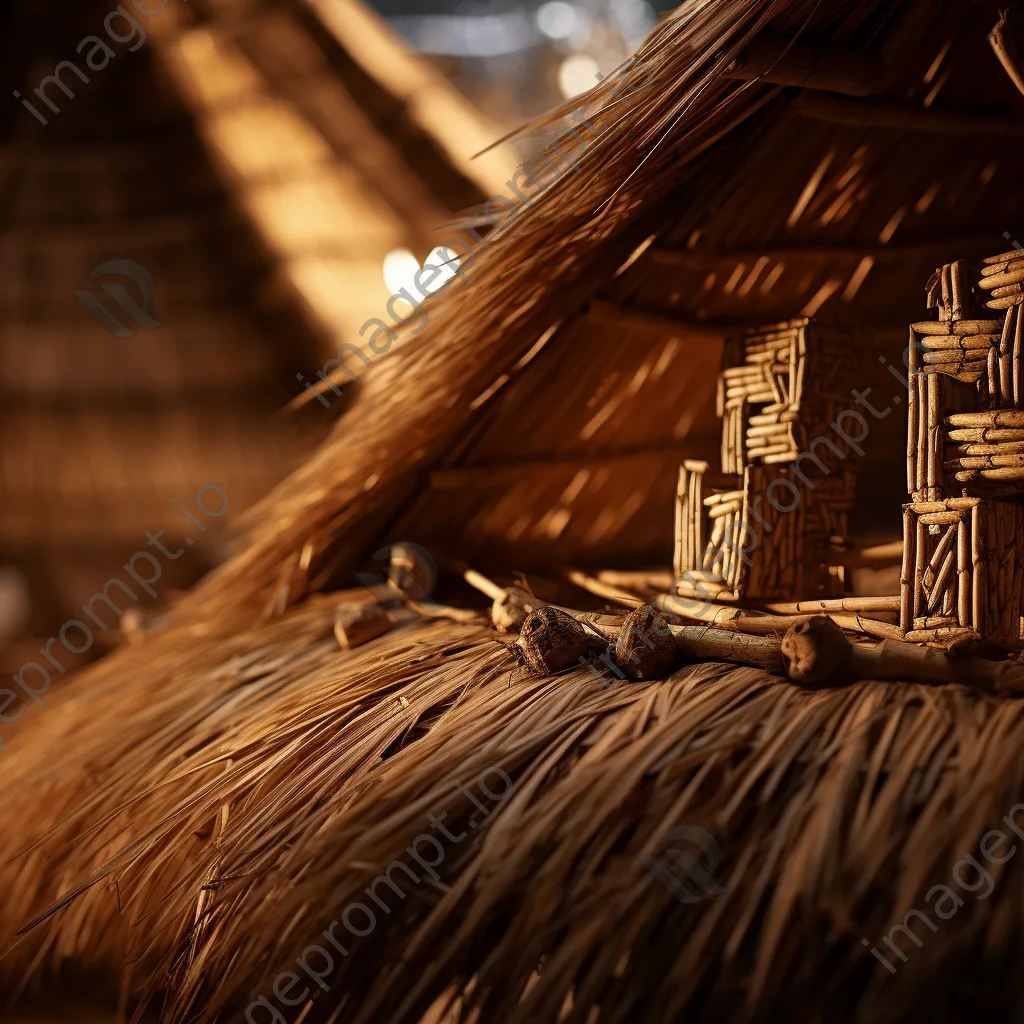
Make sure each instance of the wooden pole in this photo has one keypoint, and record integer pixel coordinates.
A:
(780, 61)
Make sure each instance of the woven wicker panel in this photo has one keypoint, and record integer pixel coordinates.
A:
(780, 387)
(962, 571)
(763, 535)
(967, 387)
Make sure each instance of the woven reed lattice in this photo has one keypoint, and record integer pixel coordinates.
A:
(965, 456)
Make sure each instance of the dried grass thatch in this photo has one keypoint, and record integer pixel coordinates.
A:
(196, 810)
(226, 841)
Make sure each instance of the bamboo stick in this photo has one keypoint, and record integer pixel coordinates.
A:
(986, 435)
(680, 560)
(989, 461)
(1005, 303)
(946, 293)
(913, 416)
(945, 359)
(816, 652)
(944, 578)
(1012, 262)
(943, 518)
(699, 643)
(1006, 276)
(942, 327)
(715, 499)
(957, 342)
(991, 418)
(1006, 291)
(851, 621)
(907, 577)
(963, 563)
(837, 604)
(992, 448)
(977, 571)
(1018, 354)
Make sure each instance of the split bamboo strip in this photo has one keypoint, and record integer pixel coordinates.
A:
(994, 418)
(933, 327)
(963, 562)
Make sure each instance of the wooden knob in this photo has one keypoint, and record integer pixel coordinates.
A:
(815, 651)
(646, 648)
(551, 640)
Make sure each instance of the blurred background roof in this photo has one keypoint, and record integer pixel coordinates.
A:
(278, 168)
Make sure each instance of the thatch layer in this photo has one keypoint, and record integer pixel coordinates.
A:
(237, 833)
(249, 781)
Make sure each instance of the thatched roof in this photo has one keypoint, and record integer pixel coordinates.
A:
(259, 161)
(250, 781)
(542, 414)
(258, 785)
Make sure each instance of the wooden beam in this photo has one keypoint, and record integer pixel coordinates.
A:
(830, 68)
(689, 259)
(628, 318)
(906, 116)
